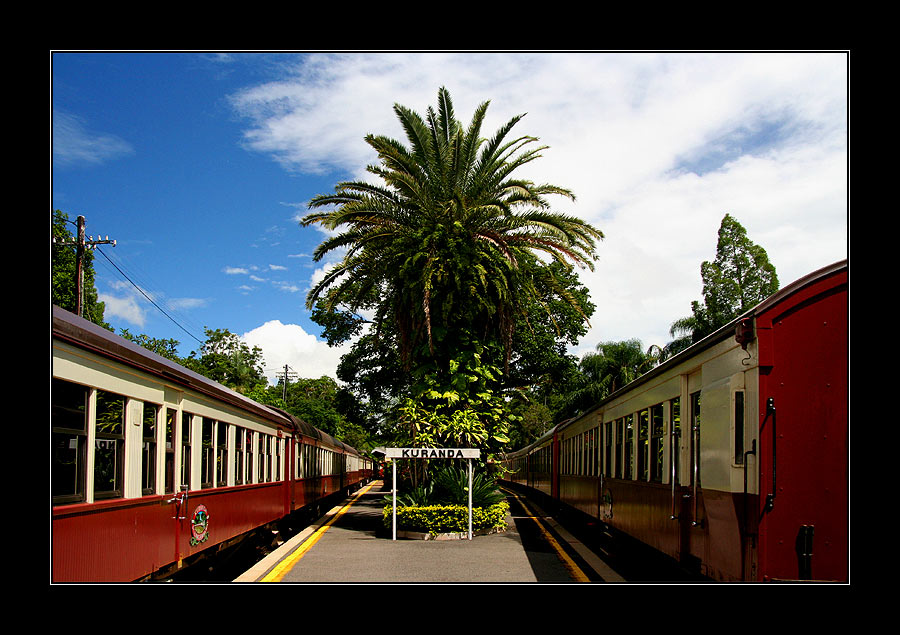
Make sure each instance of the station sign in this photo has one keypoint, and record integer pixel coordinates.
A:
(432, 453)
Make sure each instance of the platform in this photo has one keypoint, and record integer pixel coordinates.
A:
(350, 545)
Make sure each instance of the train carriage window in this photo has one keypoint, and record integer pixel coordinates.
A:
(620, 437)
(109, 446)
(695, 437)
(577, 444)
(589, 453)
(263, 473)
(576, 454)
(592, 453)
(207, 453)
(277, 443)
(250, 456)
(148, 449)
(239, 434)
(656, 443)
(169, 459)
(221, 454)
(187, 420)
(607, 447)
(628, 457)
(643, 444)
(301, 459)
(69, 427)
(582, 454)
(739, 427)
(675, 427)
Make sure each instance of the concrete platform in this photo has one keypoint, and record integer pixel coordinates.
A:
(350, 545)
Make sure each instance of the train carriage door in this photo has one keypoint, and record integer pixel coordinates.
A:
(803, 439)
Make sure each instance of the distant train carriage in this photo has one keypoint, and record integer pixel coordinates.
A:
(731, 457)
(153, 465)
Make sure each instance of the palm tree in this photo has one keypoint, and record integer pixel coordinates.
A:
(614, 365)
(438, 250)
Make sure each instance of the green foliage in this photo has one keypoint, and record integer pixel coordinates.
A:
(614, 365)
(167, 348)
(739, 278)
(225, 358)
(449, 485)
(452, 486)
(63, 273)
(443, 255)
(437, 519)
(535, 419)
(319, 403)
(419, 496)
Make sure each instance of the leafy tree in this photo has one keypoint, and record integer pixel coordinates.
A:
(614, 365)
(534, 419)
(314, 401)
(167, 348)
(442, 254)
(64, 273)
(318, 402)
(225, 358)
(739, 278)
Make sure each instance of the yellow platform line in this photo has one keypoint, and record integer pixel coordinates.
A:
(574, 570)
(281, 569)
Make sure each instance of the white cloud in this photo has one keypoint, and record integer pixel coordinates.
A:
(187, 303)
(657, 148)
(124, 307)
(290, 344)
(74, 144)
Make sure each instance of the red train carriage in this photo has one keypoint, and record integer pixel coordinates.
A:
(154, 466)
(731, 457)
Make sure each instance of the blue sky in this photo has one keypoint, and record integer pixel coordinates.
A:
(199, 165)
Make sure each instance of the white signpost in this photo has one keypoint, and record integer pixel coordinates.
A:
(431, 453)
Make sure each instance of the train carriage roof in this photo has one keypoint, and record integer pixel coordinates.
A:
(84, 334)
(719, 335)
(723, 333)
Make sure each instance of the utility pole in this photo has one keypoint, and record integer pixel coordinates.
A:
(287, 374)
(81, 245)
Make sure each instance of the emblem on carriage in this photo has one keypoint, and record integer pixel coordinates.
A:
(199, 525)
(606, 505)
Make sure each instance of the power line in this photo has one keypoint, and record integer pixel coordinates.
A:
(81, 245)
(149, 299)
(122, 268)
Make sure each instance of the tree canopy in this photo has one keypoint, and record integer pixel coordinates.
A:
(443, 254)
(739, 278)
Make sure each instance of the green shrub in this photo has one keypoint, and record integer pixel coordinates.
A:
(452, 486)
(439, 519)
